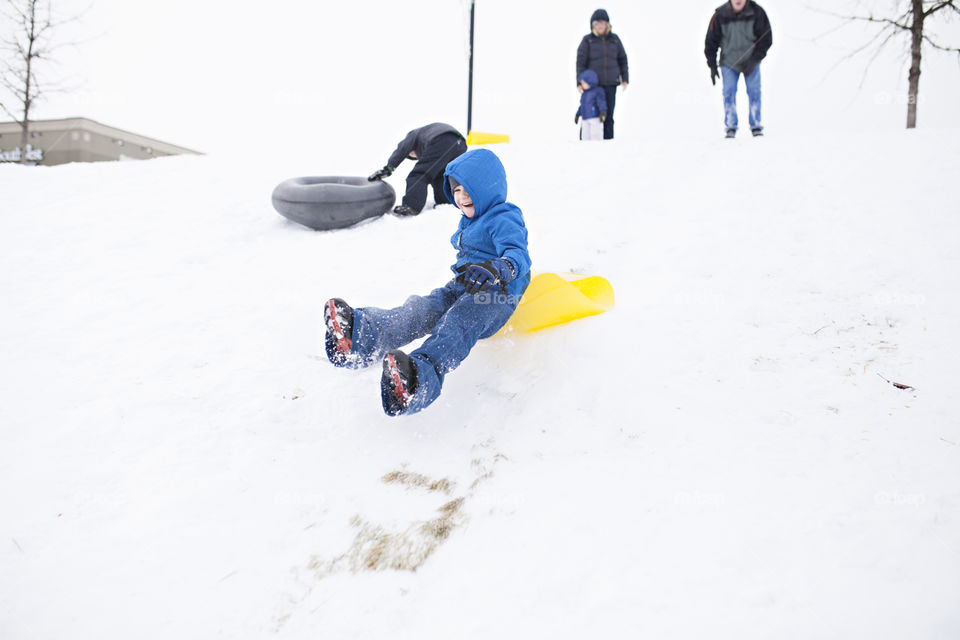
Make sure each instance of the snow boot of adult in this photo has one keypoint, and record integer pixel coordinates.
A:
(398, 383)
(731, 133)
(338, 318)
(757, 133)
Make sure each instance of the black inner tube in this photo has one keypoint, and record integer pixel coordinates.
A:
(332, 202)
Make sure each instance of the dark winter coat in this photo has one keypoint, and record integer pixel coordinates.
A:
(605, 55)
(742, 38)
(593, 101)
(496, 229)
(417, 141)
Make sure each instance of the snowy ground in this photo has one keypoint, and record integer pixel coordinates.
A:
(717, 457)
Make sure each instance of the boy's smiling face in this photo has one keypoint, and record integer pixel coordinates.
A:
(463, 200)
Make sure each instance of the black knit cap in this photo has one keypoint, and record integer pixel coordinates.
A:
(453, 183)
(599, 14)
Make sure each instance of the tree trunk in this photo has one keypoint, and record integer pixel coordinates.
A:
(27, 90)
(24, 134)
(916, 53)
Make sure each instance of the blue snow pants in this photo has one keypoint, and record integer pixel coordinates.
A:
(455, 321)
(730, 81)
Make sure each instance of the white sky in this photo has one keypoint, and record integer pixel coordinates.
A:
(222, 76)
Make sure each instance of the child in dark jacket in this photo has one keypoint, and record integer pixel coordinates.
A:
(493, 271)
(593, 106)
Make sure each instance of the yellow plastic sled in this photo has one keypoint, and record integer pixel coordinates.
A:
(556, 298)
(476, 137)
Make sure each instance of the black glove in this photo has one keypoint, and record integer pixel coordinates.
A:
(576, 118)
(404, 210)
(603, 116)
(381, 174)
(481, 276)
(750, 67)
(714, 74)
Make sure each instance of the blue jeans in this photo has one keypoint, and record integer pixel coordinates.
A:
(730, 80)
(455, 320)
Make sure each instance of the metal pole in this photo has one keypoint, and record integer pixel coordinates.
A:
(470, 81)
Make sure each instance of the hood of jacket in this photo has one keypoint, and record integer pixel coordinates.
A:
(483, 177)
(590, 77)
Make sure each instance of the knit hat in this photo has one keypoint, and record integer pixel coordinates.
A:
(453, 183)
(599, 14)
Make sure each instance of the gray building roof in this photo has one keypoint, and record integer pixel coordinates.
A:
(81, 140)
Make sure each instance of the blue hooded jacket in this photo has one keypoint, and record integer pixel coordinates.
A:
(496, 229)
(594, 99)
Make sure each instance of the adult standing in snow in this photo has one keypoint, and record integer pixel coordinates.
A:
(433, 146)
(602, 51)
(740, 30)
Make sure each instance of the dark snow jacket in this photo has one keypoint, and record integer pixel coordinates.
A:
(605, 55)
(742, 38)
(593, 101)
(417, 141)
(496, 229)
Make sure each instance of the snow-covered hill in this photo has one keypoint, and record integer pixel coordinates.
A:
(722, 455)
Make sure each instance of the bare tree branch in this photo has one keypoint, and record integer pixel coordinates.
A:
(26, 52)
(940, 47)
(876, 54)
(10, 113)
(889, 21)
(910, 22)
(887, 31)
(938, 7)
(848, 19)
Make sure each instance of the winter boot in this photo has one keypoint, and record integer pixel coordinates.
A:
(398, 383)
(338, 318)
(403, 211)
(731, 133)
(757, 133)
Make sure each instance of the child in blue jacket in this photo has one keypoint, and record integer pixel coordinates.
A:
(593, 106)
(493, 271)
